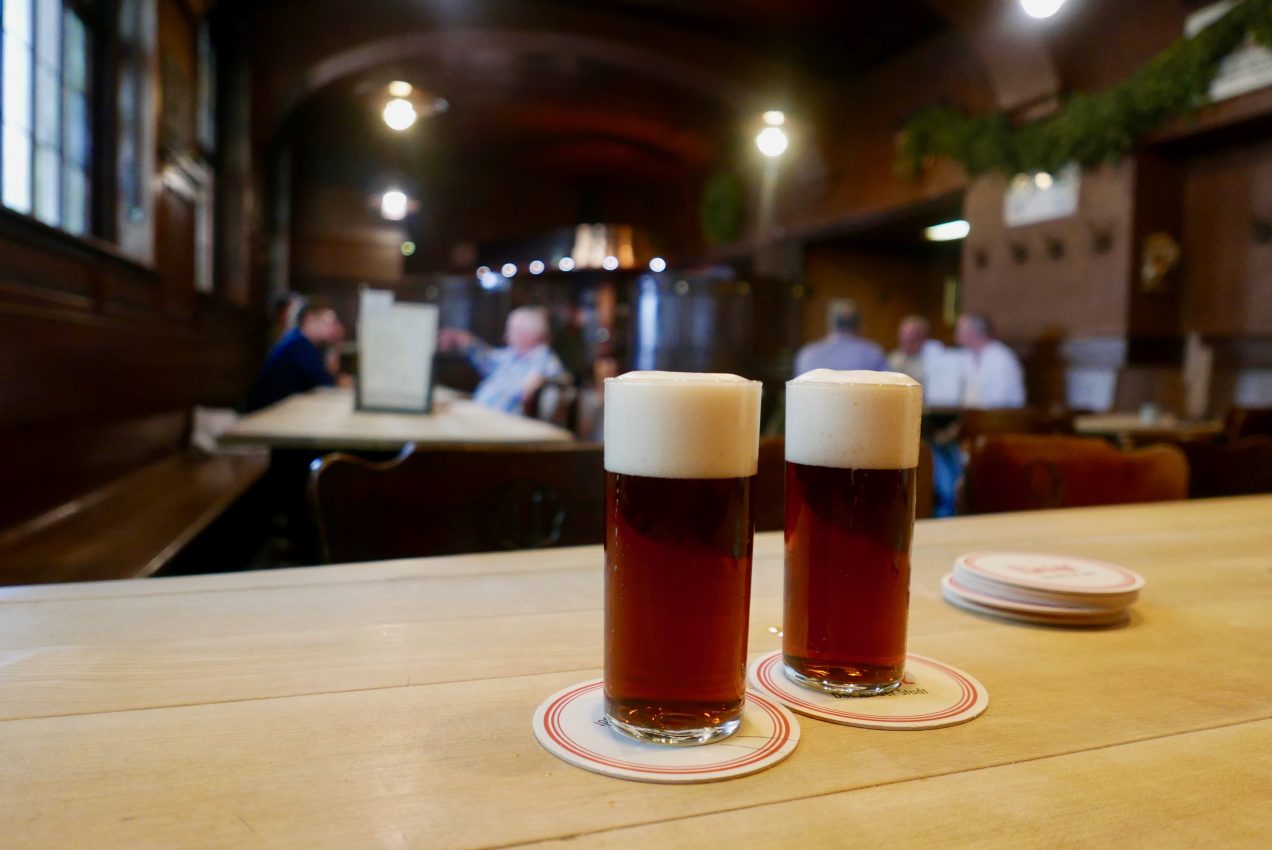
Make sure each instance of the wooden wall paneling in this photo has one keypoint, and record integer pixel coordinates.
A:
(1154, 308)
(886, 284)
(1227, 253)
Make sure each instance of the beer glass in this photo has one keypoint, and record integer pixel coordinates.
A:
(852, 446)
(680, 460)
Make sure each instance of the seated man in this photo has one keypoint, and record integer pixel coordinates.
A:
(295, 364)
(842, 347)
(511, 373)
(914, 348)
(994, 377)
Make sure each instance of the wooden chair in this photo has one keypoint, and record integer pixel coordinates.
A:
(1029, 472)
(1235, 469)
(770, 485)
(555, 402)
(476, 499)
(1247, 422)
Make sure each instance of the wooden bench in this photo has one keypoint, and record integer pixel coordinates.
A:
(130, 527)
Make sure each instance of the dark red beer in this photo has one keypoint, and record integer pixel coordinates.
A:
(680, 462)
(852, 446)
(847, 572)
(677, 600)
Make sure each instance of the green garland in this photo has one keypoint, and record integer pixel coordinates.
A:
(1089, 128)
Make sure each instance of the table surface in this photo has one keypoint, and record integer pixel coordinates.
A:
(325, 420)
(389, 705)
(1131, 424)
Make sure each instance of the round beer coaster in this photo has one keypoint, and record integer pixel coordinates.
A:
(1061, 575)
(1102, 618)
(951, 586)
(932, 695)
(571, 725)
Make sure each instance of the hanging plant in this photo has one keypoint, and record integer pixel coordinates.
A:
(723, 208)
(1090, 128)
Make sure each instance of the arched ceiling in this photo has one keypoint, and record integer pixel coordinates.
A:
(577, 85)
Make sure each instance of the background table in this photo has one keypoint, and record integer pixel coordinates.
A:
(389, 705)
(1129, 427)
(325, 420)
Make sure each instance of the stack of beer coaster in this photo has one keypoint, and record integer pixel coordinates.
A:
(1053, 590)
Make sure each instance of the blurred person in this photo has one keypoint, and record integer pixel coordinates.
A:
(914, 351)
(511, 373)
(994, 376)
(841, 348)
(296, 363)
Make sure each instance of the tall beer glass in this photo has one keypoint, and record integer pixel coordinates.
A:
(852, 446)
(680, 459)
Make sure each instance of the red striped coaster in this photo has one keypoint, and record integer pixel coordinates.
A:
(571, 725)
(932, 695)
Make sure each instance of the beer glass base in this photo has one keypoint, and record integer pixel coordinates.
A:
(842, 689)
(676, 737)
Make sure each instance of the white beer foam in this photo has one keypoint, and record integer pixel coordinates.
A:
(853, 420)
(682, 425)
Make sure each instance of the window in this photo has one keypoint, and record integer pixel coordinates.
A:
(46, 145)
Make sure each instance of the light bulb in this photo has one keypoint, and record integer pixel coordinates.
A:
(771, 141)
(399, 114)
(1041, 8)
(393, 205)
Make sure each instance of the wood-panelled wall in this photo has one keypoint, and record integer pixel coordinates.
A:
(102, 357)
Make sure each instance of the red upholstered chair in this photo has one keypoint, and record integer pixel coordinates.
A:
(1019, 420)
(1029, 472)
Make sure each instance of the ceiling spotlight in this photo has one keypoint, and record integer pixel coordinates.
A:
(775, 118)
(399, 88)
(399, 114)
(609, 263)
(1041, 8)
(771, 141)
(393, 205)
(657, 264)
(948, 231)
(508, 270)
(566, 264)
(536, 267)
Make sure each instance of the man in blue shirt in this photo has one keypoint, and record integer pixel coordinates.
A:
(511, 373)
(841, 348)
(295, 363)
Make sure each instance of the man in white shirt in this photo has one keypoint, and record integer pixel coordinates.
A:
(994, 375)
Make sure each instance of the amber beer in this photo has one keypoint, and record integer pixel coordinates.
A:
(852, 446)
(680, 461)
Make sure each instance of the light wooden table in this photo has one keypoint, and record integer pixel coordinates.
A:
(1129, 427)
(389, 705)
(325, 420)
